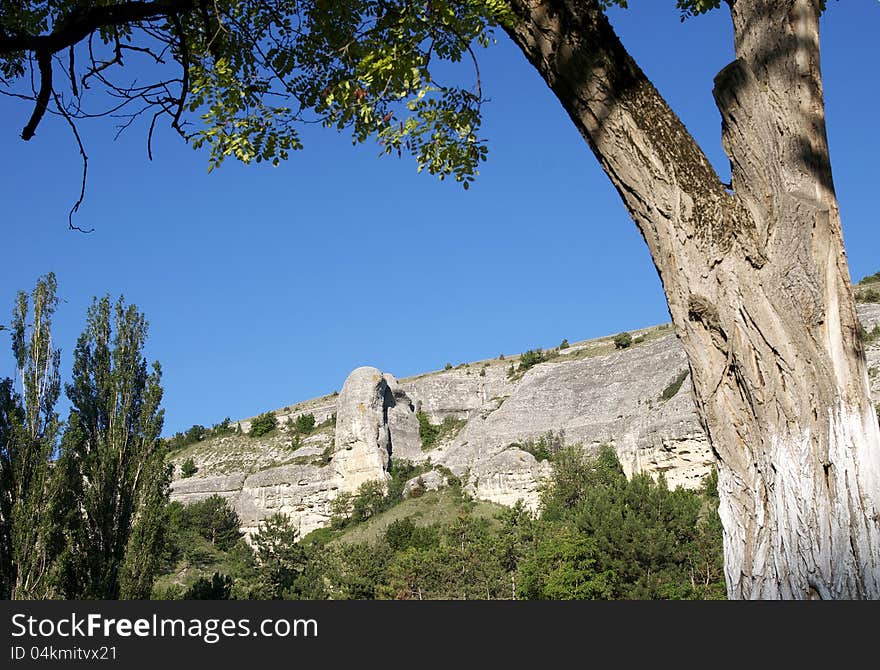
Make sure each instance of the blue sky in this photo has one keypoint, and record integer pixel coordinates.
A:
(265, 286)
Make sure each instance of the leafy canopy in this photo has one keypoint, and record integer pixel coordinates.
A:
(253, 71)
(241, 77)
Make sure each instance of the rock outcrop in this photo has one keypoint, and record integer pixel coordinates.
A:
(280, 473)
(637, 400)
(403, 426)
(363, 441)
(613, 398)
(508, 477)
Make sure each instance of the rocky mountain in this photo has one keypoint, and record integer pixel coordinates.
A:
(487, 421)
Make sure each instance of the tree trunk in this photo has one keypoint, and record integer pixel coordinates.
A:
(757, 283)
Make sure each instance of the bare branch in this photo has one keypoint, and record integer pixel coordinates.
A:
(184, 62)
(149, 52)
(44, 60)
(150, 134)
(85, 162)
(71, 73)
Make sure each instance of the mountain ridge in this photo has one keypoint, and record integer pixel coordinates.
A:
(591, 392)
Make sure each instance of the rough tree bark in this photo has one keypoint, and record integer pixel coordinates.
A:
(757, 283)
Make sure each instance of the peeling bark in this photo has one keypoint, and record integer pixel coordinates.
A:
(756, 279)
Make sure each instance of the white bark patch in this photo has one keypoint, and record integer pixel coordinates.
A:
(815, 531)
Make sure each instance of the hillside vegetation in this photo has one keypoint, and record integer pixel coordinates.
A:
(868, 289)
(598, 536)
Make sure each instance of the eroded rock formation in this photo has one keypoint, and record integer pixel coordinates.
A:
(591, 393)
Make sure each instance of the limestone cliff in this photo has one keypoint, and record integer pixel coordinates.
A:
(637, 399)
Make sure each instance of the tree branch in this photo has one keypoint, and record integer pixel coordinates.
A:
(44, 61)
(80, 24)
(85, 164)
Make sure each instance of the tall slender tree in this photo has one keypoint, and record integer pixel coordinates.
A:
(29, 429)
(9, 417)
(110, 459)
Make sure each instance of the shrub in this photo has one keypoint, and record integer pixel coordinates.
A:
(428, 432)
(325, 457)
(340, 509)
(218, 587)
(563, 344)
(304, 424)
(401, 471)
(329, 422)
(452, 481)
(399, 533)
(191, 435)
(531, 358)
(188, 469)
(197, 433)
(545, 447)
(868, 295)
(263, 424)
(623, 341)
(170, 592)
(222, 428)
(448, 366)
(368, 501)
(432, 434)
(870, 278)
(869, 336)
(403, 534)
(674, 386)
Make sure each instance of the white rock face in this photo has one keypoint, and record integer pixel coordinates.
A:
(363, 442)
(613, 398)
(592, 393)
(403, 426)
(302, 492)
(508, 477)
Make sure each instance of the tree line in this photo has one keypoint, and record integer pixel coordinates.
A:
(83, 501)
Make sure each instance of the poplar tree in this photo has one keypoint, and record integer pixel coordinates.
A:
(111, 463)
(28, 433)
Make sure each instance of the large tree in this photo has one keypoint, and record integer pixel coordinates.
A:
(29, 429)
(754, 271)
(112, 478)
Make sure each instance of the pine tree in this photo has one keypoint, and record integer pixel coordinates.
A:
(281, 559)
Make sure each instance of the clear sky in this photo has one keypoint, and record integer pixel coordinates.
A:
(265, 286)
